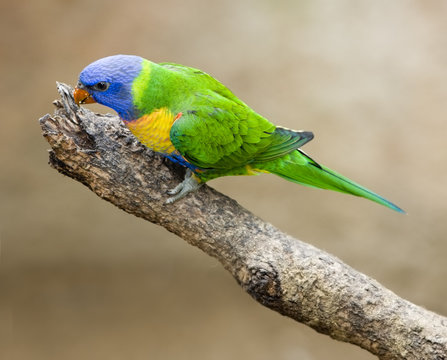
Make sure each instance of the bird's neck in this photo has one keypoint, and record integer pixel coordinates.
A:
(146, 94)
(157, 87)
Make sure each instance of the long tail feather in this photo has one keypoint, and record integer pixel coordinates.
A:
(298, 167)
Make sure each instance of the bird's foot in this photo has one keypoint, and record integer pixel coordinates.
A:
(190, 184)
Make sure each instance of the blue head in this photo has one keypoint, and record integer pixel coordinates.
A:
(108, 81)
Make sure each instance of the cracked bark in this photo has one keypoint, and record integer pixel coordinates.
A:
(284, 274)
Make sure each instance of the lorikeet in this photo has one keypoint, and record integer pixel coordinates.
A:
(191, 118)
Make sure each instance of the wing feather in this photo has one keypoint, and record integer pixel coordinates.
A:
(219, 131)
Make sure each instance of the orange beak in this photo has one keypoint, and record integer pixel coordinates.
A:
(82, 96)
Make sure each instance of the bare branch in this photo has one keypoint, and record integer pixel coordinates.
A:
(282, 273)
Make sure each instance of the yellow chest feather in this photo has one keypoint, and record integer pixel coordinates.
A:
(153, 130)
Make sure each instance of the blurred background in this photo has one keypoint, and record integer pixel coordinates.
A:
(81, 279)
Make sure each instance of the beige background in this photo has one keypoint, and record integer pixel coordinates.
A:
(81, 279)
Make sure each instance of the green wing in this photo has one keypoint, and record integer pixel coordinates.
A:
(219, 131)
(221, 134)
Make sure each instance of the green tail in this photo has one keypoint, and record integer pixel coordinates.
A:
(300, 168)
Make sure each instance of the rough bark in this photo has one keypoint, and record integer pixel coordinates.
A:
(282, 273)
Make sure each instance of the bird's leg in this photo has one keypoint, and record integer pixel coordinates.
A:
(190, 184)
(179, 187)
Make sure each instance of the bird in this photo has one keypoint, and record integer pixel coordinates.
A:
(194, 120)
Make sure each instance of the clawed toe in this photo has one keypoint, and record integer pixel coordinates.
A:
(190, 184)
(176, 190)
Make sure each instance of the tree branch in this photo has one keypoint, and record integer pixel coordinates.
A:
(282, 273)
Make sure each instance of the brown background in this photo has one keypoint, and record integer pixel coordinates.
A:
(81, 279)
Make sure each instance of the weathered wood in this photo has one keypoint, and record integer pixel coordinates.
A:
(282, 273)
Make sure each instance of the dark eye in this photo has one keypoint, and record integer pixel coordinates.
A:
(101, 86)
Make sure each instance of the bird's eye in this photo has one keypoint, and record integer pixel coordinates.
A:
(101, 86)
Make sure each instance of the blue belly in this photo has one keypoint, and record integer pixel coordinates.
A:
(180, 160)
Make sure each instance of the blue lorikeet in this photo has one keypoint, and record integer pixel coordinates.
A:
(191, 118)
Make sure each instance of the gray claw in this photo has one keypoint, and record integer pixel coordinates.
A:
(176, 190)
(188, 185)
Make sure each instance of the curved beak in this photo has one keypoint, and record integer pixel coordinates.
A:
(82, 96)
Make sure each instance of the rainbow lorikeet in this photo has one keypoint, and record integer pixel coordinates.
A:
(191, 118)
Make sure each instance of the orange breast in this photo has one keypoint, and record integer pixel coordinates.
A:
(153, 130)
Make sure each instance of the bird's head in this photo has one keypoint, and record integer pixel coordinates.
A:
(108, 81)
